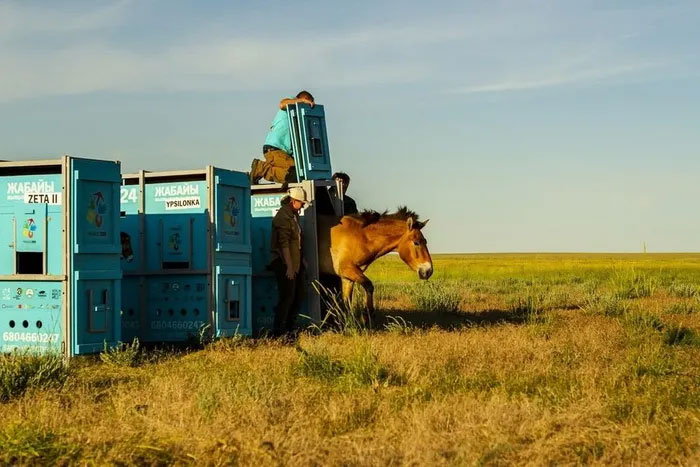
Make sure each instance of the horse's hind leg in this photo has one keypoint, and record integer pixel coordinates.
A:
(369, 293)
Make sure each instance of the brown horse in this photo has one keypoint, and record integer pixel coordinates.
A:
(347, 246)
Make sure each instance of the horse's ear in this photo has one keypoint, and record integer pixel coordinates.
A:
(422, 224)
(409, 223)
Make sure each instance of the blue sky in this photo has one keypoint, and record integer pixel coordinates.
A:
(512, 125)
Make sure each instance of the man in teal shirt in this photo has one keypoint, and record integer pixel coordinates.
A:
(278, 165)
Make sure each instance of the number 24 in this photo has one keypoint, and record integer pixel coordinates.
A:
(128, 194)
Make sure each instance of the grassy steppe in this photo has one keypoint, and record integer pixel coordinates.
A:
(498, 359)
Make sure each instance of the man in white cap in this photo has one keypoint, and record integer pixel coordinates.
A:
(287, 262)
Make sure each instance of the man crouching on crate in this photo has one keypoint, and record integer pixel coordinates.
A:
(287, 261)
(278, 165)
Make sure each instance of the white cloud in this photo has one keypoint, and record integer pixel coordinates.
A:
(556, 77)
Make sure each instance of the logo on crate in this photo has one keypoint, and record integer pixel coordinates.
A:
(96, 209)
(174, 241)
(29, 293)
(29, 228)
(231, 211)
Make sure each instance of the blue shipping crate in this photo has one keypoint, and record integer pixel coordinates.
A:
(60, 277)
(265, 202)
(188, 267)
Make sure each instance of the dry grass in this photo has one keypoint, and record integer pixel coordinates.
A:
(549, 359)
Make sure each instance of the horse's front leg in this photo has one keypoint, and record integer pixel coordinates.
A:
(354, 274)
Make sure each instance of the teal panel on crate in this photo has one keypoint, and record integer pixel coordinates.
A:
(30, 315)
(232, 254)
(233, 301)
(310, 141)
(131, 309)
(232, 211)
(176, 225)
(96, 248)
(264, 301)
(31, 223)
(176, 309)
(176, 238)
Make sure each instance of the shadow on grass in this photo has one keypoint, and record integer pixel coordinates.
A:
(449, 320)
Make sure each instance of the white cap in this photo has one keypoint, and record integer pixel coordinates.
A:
(298, 194)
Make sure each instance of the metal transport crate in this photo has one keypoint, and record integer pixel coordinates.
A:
(60, 277)
(187, 255)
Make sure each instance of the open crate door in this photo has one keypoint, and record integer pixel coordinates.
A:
(310, 142)
(232, 212)
(95, 302)
(232, 249)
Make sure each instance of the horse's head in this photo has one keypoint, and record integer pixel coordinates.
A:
(413, 249)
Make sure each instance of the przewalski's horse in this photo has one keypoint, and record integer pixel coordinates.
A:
(347, 246)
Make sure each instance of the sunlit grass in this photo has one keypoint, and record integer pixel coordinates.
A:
(497, 360)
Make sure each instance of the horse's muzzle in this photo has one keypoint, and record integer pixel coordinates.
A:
(425, 270)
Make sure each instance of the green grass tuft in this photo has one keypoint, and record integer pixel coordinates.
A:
(128, 355)
(436, 297)
(20, 371)
(362, 368)
(682, 308)
(27, 445)
(683, 290)
(681, 335)
(641, 321)
(630, 284)
(398, 325)
(605, 305)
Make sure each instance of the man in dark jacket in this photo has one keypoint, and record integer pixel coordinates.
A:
(287, 261)
(349, 205)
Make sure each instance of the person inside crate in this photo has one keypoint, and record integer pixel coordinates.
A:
(349, 205)
(287, 261)
(278, 165)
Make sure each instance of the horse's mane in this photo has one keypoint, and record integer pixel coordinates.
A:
(369, 216)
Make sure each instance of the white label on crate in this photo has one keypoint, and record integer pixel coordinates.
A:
(189, 202)
(42, 198)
